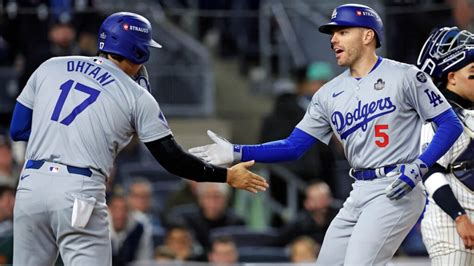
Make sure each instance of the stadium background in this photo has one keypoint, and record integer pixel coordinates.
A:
(225, 65)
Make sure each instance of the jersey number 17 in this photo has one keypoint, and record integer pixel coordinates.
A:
(65, 89)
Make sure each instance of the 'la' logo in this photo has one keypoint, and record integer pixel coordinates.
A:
(435, 99)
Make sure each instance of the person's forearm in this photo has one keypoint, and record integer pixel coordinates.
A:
(449, 128)
(287, 149)
(178, 162)
(20, 127)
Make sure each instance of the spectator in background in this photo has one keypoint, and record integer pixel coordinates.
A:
(139, 198)
(131, 240)
(212, 212)
(320, 209)
(463, 13)
(7, 175)
(34, 30)
(304, 250)
(223, 252)
(184, 196)
(7, 201)
(179, 241)
(289, 109)
(410, 21)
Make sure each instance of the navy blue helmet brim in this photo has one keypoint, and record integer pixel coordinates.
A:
(153, 43)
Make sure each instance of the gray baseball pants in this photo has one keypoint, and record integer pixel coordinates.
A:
(42, 218)
(369, 228)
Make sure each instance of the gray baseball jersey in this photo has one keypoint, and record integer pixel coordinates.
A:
(88, 113)
(375, 117)
(85, 110)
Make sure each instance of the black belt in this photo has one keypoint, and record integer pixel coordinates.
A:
(36, 164)
(371, 174)
(463, 166)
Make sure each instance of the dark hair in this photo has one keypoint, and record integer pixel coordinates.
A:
(176, 226)
(223, 240)
(299, 74)
(114, 56)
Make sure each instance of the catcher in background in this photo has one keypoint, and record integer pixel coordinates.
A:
(448, 57)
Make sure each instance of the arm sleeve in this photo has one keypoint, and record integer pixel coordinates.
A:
(287, 149)
(449, 129)
(178, 162)
(20, 127)
(438, 187)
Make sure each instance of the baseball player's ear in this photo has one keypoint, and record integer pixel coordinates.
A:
(369, 35)
(452, 78)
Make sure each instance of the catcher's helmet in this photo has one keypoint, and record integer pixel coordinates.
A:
(446, 50)
(355, 15)
(127, 34)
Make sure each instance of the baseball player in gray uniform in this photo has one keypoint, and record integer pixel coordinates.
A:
(447, 228)
(77, 113)
(376, 109)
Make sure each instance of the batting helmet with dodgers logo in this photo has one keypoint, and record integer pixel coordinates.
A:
(446, 50)
(355, 15)
(128, 35)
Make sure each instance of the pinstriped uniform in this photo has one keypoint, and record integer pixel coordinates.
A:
(440, 236)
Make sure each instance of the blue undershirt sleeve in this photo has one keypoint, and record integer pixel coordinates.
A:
(291, 148)
(449, 128)
(20, 127)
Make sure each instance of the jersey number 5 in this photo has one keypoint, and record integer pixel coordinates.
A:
(65, 88)
(379, 133)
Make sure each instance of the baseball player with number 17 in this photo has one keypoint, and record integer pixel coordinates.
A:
(376, 109)
(77, 113)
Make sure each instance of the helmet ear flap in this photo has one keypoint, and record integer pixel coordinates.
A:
(140, 53)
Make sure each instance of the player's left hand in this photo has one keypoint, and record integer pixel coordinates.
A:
(408, 177)
(465, 229)
(142, 78)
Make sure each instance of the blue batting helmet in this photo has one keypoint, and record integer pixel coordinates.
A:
(127, 34)
(355, 15)
(446, 50)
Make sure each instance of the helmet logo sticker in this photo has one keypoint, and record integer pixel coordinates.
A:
(125, 26)
(101, 45)
(103, 35)
(334, 14)
(359, 13)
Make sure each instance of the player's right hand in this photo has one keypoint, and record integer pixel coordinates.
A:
(408, 176)
(465, 229)
(238, 176)
(219, 153)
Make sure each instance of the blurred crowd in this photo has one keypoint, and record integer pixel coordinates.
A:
(153, 217)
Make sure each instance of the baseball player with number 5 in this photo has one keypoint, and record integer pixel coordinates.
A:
(77, 113)
(376, 109)
(447, 228)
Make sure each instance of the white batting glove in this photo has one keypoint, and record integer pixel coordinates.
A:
(408, 177)
(219, 153)
(142, 78)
